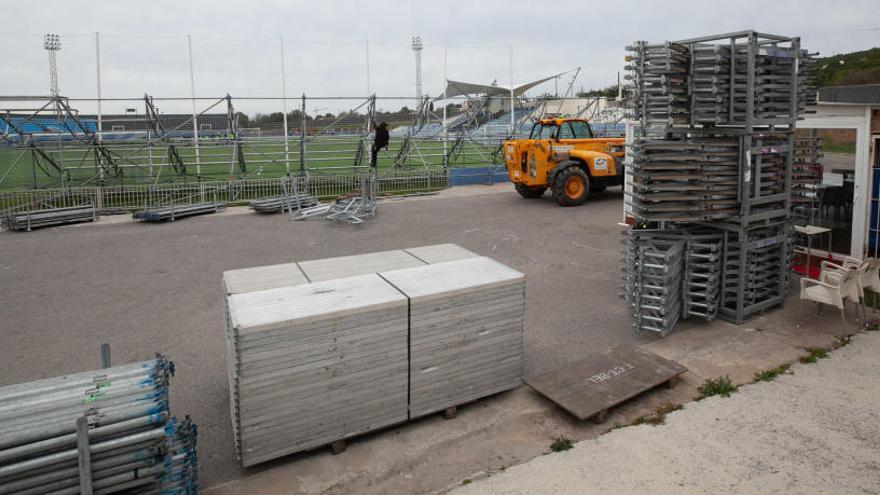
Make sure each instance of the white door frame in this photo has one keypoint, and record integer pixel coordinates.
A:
(862, 189)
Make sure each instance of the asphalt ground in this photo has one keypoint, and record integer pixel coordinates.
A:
(147, 288)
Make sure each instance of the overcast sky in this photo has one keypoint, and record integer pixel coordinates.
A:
(236, 47)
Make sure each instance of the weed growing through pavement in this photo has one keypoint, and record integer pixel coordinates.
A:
(772, 373)
(815, 354)
(720, 386)
(466, 482)
(561, 444)
(658, 417)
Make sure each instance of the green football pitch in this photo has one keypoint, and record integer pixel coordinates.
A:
(70, 164)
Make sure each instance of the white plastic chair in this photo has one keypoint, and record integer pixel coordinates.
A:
(854, 292)
(833, 288)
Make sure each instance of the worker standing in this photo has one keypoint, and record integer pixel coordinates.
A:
(379, 142)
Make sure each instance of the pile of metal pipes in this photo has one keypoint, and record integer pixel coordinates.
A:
(278, 204)
(32, 219)
(173, 212)
(132, 442)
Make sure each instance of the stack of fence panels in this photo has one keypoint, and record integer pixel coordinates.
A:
(173, 212)
(806, 176)
(466, 331)
(315, 363)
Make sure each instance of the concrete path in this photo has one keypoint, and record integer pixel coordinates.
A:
(816, 430)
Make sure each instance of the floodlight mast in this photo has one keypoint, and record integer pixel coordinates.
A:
(52, 43)
(417, 48)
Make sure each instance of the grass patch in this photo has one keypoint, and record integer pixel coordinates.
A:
(720, 386)
(814, 354)
(658, 417)
(873, 327)
(843, 341)
(772, 373)
(561, 444)
(467, 482)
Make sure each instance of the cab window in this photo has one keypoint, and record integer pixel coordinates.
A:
(565, 131)
(542, 131)
(581, 129)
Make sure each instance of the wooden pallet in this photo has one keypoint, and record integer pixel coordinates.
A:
(590, 387)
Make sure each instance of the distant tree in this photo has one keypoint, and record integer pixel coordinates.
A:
(608, 92)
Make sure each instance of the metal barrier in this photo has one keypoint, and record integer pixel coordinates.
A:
(135, 197)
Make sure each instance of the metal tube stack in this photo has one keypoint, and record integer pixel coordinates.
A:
(717, 163)
(278, 204)
(133, 441)
(32, 219)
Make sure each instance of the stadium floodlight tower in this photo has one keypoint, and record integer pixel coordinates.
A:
(417, 48)
(52, 43)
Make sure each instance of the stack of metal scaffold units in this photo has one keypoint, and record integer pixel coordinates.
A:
(134, 445)
(652, 280)
(756, 268)
(358, 343)
(696, 178)
(173, 212)
(806, 177)
(671, 274)
(278, 204)
(33, 219)
(724, 80)
(711, 165)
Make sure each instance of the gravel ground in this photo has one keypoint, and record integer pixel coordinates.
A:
(816, 430)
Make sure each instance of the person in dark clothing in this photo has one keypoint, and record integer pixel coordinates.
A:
(379, 142)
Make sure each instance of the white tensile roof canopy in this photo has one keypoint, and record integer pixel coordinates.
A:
(456, 88)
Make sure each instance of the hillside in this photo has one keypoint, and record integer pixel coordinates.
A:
(849, 69)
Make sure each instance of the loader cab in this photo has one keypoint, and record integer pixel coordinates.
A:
(560, 130)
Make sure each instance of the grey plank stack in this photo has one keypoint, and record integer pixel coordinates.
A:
(315, 363)
(466, 331)
(440, 253)
(359, 264)
(263, 277)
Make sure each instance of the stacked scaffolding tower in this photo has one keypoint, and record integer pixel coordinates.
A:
(710, 175)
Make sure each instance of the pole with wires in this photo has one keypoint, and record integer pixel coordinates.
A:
(192, 87)
(284, 110)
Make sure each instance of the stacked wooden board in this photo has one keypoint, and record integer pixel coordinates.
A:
(263, 277)
(315, 363)
(359, 264)
(343, 349)
(466, 321)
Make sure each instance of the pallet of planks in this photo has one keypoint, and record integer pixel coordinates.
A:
(173, 212)
(33, 219)
(320, 351)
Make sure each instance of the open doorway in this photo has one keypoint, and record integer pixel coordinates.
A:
(838, 160)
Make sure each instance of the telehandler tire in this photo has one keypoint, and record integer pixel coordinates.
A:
(571, 187)
(530, 192)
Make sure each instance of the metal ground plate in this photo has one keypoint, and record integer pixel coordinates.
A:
(594, 384)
